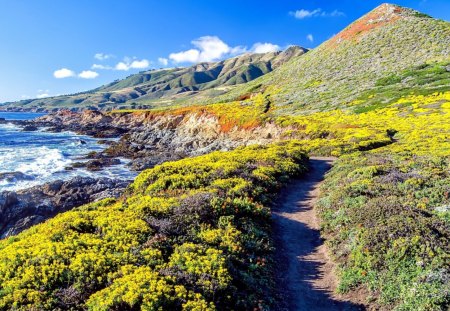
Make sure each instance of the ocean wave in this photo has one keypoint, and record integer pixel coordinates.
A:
(44, 156)
(9, 127)
(47, 161)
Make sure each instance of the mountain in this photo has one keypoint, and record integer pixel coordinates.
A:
(374, 49)
(162, 87)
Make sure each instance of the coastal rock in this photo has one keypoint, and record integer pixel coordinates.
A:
(22, 209)
(149, 139)
(29, 128)
(187, 135)
(14, 176)
(88, 122)
(96, 164)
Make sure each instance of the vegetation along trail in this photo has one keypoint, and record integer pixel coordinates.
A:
(305, 273)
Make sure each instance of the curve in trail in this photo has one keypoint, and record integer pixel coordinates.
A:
(305, 273)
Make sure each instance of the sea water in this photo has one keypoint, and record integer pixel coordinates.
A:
(42, 156)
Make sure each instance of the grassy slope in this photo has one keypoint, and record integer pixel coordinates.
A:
(342, 68)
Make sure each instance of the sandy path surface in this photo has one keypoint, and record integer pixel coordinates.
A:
(305, 272)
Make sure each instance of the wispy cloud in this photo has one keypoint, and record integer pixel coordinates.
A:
(63, 73)
(303, 13)
(102, 67)
(88, 74)
(103, 56)
(163, 61)
(42, 94)
(310, 38)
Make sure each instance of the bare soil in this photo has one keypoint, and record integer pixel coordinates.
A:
(305, 273)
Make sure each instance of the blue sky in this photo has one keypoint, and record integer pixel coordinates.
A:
(53, 47)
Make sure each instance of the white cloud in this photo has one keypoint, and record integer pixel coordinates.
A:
(207, 49)
(122, 66)
(163, 61)
(128, 64)
(310, 38)
(88, 74)
(67, 73)
(43, 94)
(102, 67)
(302, 13)
(125, 65)
(103, 56)
(63, 73)
(265, 47)
(189, 56)
(335, 13)
(140, 64)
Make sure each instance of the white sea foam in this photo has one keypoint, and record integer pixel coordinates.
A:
(46, 162)
(9, 127)
(39, 162)
(44, 157)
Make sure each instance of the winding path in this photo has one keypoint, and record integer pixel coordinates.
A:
(305, 274)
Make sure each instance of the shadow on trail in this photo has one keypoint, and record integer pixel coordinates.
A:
(305, 276)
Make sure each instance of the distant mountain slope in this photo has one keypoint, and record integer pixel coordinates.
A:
(166, 85)
(377, 46)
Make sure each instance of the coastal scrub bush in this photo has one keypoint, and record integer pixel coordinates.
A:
(187, 235)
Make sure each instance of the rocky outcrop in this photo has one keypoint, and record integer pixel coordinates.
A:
(14, 176)
(155, 139)
(149, 139)
(88, 122)
(22, 209)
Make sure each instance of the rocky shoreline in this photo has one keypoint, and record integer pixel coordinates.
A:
(145, 139)
(22, 209)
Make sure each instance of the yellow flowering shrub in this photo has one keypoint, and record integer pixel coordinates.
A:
(179, 239)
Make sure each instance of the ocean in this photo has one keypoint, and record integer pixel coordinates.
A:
(41, 157)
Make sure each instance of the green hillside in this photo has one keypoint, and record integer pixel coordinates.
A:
(366, 55)
(159, 88)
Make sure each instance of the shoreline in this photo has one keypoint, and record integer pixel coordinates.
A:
(33, 204)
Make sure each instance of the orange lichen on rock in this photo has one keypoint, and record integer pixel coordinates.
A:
(381, 16)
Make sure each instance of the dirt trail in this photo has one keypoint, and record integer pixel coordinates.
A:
(305, 273)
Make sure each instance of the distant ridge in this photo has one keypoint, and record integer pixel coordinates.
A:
(156, 88)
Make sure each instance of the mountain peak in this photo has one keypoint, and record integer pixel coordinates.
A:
(382, 15)
(389, 11)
